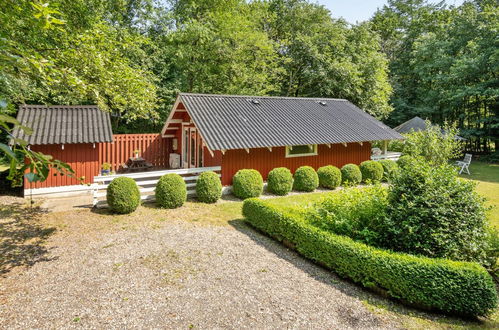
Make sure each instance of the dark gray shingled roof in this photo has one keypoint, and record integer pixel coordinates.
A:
(64, 124)
(237, 122)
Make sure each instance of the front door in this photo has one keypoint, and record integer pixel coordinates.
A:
(192, 148)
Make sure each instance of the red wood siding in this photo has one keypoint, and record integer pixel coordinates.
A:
(264, 160)
(86, 160)
(153, 148)
(83, 159)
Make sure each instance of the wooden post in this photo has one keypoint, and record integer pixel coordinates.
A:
(385, 147)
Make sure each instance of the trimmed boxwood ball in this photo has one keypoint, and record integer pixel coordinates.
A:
(208, 187)
(389, 168)
(171, 191)
(350, 175)
(404, 160)
(280, 181)
(372, 171)
(306, 179)
(123, 195)
(329, 177)
(247, 183)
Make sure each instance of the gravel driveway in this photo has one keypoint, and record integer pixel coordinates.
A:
(176, 274)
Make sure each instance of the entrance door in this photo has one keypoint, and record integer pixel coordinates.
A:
(192, 148)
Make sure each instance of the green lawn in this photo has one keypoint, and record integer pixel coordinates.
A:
(487, 177)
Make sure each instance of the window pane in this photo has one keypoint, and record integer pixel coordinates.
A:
(303, 149)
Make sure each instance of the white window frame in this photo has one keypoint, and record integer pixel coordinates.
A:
(313, 153)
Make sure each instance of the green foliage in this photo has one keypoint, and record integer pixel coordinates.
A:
(372, 171)
(123, 195)
(433, 144)
(280, 181)
(351, 175)
(171, 191)
(434, 213)
(305, 179)
(443, 64)
(453, 287)
(352, 212)
(390, 168)
(247, 183)
(329, 177)
(208, 187)
(404, 161)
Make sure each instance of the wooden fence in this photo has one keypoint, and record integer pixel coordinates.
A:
(86, 159)
(152, 147)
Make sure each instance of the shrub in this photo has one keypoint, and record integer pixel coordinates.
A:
(389, 168)
(171, 191)
(329, 177)
(280, 181)
(351, 175)
(454, 287)
(306, 179)
(123, 195)
(437, 146)
(434, 213)
(372, 171)
(247, 183)
(352, 212)
(208, 187)
(404, 160)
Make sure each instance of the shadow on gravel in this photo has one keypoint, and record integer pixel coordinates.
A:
(346, 286)
(22, 237)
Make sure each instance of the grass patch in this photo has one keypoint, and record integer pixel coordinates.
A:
(487, 177)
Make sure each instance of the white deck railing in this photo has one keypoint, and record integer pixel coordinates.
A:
(147, 181)
(389, 155)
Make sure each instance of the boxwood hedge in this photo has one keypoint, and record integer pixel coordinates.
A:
(208, 187)
(171, 191)
(351, 175)
(280, 181)
(453, 287)
(372, 171)
(390, 167)
(247, 183)
(305, 179)
(329, 176)
(123, 195)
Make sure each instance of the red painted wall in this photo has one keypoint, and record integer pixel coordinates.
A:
(264, 160)
(83, 159)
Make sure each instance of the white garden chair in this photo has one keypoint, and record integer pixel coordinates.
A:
(464, 164)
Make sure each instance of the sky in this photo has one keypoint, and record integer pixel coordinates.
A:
(360, 10)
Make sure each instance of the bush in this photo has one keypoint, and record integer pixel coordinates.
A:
(247, 183)
(306, 179)
(352, 212)
(171, 191)
(329, 177)
(208, 187)
(389, 168)
(434, 213)
(351, 175)
(372, 171)
(404, 160)
(280, 181)
(123, 195)
(453, 287)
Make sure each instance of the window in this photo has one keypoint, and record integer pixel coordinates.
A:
(301, 150)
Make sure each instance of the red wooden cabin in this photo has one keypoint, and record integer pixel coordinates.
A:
(261, 132)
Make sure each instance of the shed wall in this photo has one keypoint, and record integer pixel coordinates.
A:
(264, 160)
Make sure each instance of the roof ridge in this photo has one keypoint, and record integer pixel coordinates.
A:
(261, 96)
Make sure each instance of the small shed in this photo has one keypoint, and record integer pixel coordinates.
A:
(264, 132)
(68, 133)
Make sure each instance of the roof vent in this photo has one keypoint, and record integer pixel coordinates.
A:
(254, 101)
(323, 103)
